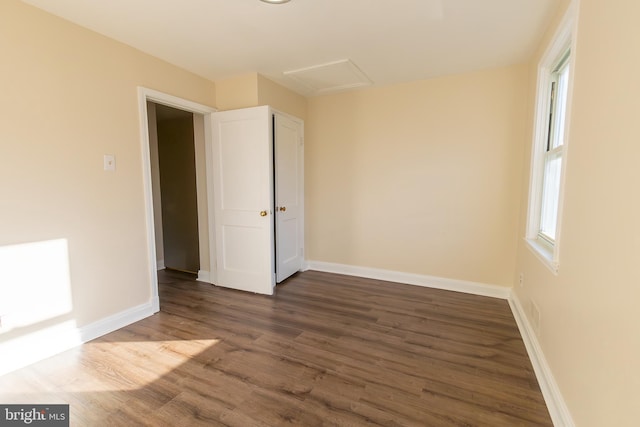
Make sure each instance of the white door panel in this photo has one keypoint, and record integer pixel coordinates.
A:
(242, 175)
(288, 250)
(242, 165)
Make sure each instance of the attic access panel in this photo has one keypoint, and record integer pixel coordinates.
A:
(330, 77)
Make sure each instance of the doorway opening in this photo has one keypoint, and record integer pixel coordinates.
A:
(177, 235)
(172, 147)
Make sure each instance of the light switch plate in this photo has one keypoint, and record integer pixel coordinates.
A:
(109, 162)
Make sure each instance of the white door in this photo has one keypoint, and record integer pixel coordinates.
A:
(241, 180)
(289, 195)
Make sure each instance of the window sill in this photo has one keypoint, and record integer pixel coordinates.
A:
(544, 253)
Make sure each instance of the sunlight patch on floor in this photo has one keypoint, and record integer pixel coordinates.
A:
(98, 368)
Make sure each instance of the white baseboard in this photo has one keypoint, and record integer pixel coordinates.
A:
(160, 265)
(474, 288)
(116, 321)
(556, 405)
(49, 341)
(204, 276)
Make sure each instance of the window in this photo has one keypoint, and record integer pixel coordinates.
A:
(553, 152)
(549, 147)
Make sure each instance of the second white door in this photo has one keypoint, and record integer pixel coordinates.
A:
(288, 155)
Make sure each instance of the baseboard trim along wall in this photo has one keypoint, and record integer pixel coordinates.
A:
(556, 404)
(474, 288)
(160, 265)
(49, 341)
(115, 322)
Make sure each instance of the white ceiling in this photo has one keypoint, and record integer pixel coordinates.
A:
(390, 41)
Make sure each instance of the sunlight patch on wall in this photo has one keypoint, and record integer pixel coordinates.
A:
(35, 303)
(35, 284)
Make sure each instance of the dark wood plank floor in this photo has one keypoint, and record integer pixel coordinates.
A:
(325, 350)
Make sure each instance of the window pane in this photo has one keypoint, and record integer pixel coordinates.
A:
(560, 108)
(550, 195)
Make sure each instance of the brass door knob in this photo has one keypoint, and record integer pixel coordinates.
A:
(263, 213)
(283, 208)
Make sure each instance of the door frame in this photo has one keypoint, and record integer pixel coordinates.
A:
(144, 95)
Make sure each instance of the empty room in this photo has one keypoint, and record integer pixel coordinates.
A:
(337, 212)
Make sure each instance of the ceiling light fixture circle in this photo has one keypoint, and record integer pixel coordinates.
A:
(275, 1)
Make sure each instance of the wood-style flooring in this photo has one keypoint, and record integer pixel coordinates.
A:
(326, 349)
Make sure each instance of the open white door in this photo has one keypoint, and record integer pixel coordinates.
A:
(289, 195)
(242, 183)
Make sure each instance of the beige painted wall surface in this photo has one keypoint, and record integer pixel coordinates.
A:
(421, 177)
(69, 96)
(589, 315)
(281, 98)
(252, 90)
(237, 92)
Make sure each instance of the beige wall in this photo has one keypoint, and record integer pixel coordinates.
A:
(422, 177)
(253, 89)
(237, 92)
(281, 98)
(589, 315)
(69, 96)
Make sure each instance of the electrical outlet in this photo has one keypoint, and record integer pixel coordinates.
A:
(521, 279)
(534, 311)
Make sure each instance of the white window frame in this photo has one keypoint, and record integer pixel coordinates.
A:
(564, 40)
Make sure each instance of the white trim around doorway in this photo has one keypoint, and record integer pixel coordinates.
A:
(145, 95)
